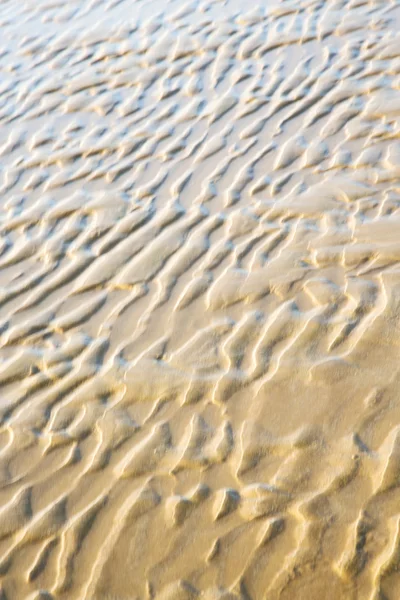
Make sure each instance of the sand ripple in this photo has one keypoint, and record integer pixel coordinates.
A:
(200, 300)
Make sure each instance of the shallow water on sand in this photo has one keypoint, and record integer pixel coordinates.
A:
(200, 300)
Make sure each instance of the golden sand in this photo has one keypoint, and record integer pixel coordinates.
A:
(200, 300)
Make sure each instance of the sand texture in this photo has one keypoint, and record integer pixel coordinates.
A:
(200, 300)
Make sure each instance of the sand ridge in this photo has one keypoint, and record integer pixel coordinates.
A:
(199, 300)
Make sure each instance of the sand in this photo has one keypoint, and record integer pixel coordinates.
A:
(200, 300)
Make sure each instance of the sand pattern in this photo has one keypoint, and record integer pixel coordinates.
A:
(200, 300)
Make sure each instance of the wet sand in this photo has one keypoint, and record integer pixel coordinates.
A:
(200, 300)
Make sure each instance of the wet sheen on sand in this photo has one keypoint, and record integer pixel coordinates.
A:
(200, 300)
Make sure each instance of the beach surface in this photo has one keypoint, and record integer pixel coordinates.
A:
(200, 300)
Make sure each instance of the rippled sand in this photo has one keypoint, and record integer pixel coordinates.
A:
(200, 300)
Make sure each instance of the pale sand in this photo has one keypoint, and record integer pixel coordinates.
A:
(200, 300)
